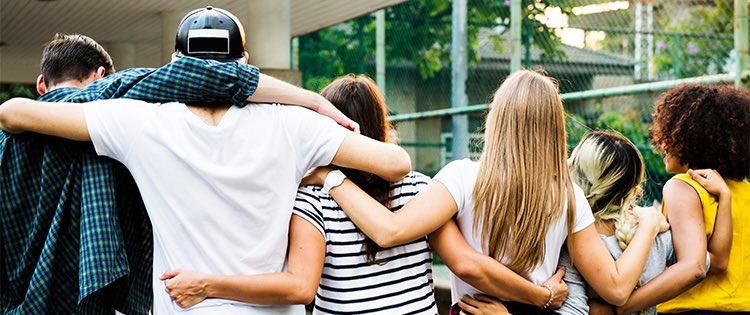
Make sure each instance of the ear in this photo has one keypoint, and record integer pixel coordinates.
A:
(41, 86)
(246, 56)
(100, 73)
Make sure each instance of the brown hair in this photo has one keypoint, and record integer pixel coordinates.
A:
(705, 126)
(359, 98)
(73, 57)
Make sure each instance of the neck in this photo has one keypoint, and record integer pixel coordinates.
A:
(67, 84)
(210, 115)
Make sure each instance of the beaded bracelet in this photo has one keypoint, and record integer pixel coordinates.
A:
(551, 296)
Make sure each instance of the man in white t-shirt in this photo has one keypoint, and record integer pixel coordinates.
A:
(218, 182)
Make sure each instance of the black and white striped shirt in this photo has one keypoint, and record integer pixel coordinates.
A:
(402, 281)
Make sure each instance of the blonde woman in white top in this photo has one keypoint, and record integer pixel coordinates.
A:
(516, 204)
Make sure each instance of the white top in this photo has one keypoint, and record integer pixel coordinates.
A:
(401, 280)
(459, 178)
(219, 197)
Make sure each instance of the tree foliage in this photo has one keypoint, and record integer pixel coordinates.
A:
(418, 33)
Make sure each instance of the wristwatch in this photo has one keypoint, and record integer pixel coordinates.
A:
(333, 180)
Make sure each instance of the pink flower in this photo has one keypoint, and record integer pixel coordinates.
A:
(661, 45)
(692, 48)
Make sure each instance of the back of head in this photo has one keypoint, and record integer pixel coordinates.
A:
(359, 98)
(523, 184)
(210, 33)
(73, 57)
(610, 170)
(705, 126)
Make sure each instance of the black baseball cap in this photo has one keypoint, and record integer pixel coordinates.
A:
(210, 33)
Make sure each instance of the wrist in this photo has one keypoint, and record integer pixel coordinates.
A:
(209, 286)
(540, 296)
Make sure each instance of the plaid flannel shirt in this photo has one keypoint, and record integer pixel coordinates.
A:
(74, 234)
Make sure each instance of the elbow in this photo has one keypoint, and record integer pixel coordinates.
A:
(399, 165)
(6, 119)
(467, 270)
(304, 294)
(619, 297)
(9, 116)
(698, 273)
(387, 239)
(718, 266)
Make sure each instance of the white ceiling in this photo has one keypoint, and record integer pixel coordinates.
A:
(33, 22)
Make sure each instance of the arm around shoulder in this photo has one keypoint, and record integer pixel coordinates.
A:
(387, 160)
(64, 120)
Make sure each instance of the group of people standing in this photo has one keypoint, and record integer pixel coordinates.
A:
(526, 229)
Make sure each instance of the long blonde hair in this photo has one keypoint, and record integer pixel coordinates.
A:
(610, 170)
(523, 184)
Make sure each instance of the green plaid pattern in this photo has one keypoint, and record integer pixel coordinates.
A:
(74, 234)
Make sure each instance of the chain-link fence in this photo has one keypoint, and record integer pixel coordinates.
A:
(587, 45)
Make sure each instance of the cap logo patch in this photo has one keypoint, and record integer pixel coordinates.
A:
(208, 41)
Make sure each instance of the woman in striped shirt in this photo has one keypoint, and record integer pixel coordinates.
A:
(331, 262)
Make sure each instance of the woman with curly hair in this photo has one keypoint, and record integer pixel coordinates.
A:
(703, 127)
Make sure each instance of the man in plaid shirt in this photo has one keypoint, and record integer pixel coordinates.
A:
(74, 233)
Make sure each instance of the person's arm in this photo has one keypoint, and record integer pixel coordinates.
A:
(720, 242)
(614, 280)
(297, 285)
(64, 120)
(685, 215)
(272, 90)
(387, 160)
(482, 305)
(489, 275)
(195, 80)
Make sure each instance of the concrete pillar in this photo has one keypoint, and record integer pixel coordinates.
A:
(170, 20)
(268, 29)
(123, 54)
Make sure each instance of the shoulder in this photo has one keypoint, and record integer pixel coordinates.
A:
(464, 169)
(309, 192)
(122, 102)
(683, 187)
(414, 178)
(463, 164)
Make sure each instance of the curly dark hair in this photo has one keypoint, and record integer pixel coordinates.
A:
(705, 126)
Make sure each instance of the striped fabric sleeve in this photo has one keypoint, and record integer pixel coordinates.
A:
(307, 206)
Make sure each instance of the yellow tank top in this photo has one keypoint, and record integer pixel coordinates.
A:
(729, 292)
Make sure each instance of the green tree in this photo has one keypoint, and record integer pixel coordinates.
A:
(698, 44)
(8, 91)
(419, 32)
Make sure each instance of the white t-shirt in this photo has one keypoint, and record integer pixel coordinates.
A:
(219, 197)
(459, 178)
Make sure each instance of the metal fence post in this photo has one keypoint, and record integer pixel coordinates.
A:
(741, 44)
(380, 50)
(515, 35)
(460, 144)
(295, 53)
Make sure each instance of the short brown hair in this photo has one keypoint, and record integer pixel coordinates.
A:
(705, 126)
(73, 56)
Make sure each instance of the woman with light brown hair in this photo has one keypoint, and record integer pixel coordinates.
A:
(332, 262)
(517, 204)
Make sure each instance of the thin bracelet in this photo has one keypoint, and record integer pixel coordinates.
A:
(551, 296)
